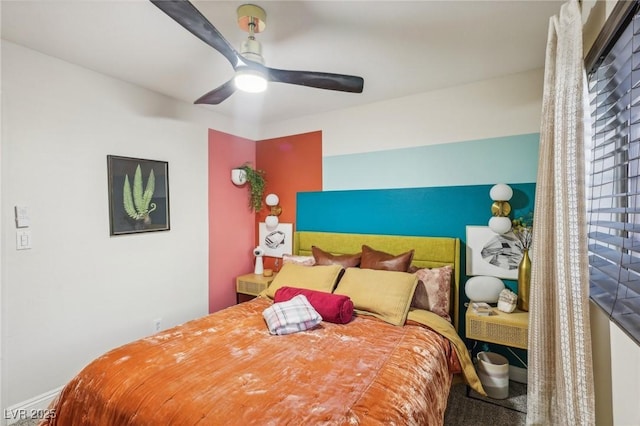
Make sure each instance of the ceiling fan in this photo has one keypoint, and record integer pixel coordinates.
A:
(250, 72)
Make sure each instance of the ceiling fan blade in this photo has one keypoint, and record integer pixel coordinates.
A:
(186, 14)
(319, 80)
(218, 94)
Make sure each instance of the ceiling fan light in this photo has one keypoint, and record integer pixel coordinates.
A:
(249, 80)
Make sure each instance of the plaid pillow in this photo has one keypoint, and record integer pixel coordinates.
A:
(291, 316)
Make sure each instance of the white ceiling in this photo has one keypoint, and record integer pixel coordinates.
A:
(399, 48)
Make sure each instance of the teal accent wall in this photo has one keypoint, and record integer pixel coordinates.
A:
(433, 211)
(483, 161)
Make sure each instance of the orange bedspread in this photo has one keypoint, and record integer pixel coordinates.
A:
(226, 369)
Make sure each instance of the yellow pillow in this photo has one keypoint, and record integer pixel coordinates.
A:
(384, 294)
(319, 277)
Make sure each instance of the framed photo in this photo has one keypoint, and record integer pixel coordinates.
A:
(278, 241)
(495, 255)
(138, 195)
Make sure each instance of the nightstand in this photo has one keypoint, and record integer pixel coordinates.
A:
(499, 327)
(249, 286)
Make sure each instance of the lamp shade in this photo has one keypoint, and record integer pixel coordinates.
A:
(483, 289)
(501, 192)
(499, 224)
(272, 200)
(271, 222)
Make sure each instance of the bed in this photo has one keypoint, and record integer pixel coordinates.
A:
(391, 363)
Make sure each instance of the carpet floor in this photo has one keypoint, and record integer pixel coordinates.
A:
(463, 410)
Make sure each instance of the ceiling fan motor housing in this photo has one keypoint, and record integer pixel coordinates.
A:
(252, 50)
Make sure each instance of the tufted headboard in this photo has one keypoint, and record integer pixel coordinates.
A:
(429, 252)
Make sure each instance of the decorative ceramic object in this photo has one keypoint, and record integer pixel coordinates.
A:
(507, 301)
(524, 281)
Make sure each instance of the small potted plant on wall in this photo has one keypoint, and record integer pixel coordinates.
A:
(255, 179)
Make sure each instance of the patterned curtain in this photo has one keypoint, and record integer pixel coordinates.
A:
(560, 390)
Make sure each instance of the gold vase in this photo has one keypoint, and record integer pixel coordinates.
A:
(524, 281)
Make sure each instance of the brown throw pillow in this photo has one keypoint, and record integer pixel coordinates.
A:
(344, 260)
(374, 259)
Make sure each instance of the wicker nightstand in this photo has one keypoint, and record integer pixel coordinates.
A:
(499, 327)
(251, 285)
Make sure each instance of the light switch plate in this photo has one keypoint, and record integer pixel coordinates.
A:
(22, 217)
(23, 240)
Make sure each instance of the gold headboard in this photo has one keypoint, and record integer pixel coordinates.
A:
(429, 252)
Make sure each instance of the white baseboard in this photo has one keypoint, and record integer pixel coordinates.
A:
(35, 407)
(518, 374)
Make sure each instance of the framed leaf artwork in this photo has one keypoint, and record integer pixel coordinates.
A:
(138, 195)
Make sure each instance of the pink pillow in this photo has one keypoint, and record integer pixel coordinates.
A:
(298, 260)
(433, 290)
(332, 307)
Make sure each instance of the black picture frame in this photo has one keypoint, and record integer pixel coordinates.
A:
(144, 207)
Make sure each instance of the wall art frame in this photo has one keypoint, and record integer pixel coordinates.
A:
(491, 254)
(138, 195)
(278, 241)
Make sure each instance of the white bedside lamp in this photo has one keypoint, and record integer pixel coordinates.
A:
(483, 289)
(258, 252)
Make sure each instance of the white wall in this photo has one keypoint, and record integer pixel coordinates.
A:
(625, 372)
(504, 106)
(79, 292)
(2, 232)
(616, 370)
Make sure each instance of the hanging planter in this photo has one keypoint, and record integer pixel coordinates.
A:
(238, 177)
(255, 179)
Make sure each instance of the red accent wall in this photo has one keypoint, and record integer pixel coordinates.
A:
(291, 164)
(231, 224)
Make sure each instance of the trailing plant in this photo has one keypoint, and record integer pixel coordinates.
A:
(137, 203)
(257, 182)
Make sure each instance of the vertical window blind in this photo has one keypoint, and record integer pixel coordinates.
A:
(614, 178)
